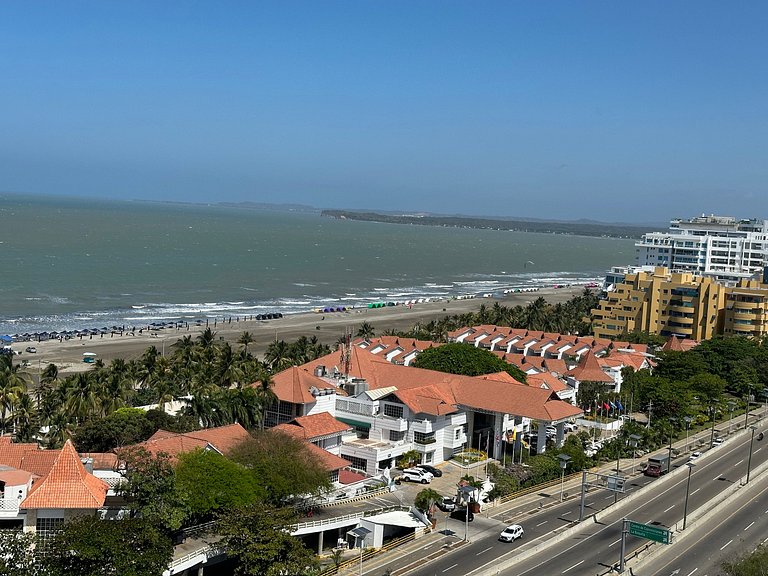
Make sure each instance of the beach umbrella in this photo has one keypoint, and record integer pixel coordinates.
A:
(6, 338)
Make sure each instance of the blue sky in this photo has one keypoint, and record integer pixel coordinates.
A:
(616, 111)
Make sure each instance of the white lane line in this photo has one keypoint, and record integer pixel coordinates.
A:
(726, 544)
(758, 450)
(748, 527)
(542, 523)
(608, 497)
(588, 504)
(717, 477)
(612, 543)
(692, 571)
(668, 509)
(694, 492)
(564, 513)
(450, 567)
(484, 551)
(572, 567)
(739, 462)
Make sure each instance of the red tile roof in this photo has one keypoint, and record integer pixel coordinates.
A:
(679, 345)
(546, 380)
(13, 477)
(589, 370)
(67, 485)
(314, 426)
(293, 384)
(222, 438)
(329, 461)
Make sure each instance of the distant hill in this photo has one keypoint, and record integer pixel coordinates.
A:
(579, 228)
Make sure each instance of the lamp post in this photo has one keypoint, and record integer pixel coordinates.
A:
(466, 497)
(746, 410)
(634, 439)
(688, 421)
(731, 406)
(672, 421)
(749, 460)
(564, 458)
(687, 490)
(712, 435)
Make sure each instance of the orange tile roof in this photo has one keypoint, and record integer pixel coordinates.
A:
(589, 370)
(293, 384)
(555, 365)
(67, 485)
(329, 461)
(545, 379)
(13, 477)
(679, 345)
(222, 438)
(102, 460)
(314, 426)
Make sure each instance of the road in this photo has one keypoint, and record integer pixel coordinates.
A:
(595, 546)
(739, 528)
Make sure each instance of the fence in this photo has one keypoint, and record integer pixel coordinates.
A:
(367, 554)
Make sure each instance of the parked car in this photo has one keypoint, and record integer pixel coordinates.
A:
(416, 475)
(436, 472)
(511, 533)
(570, 427)
(694, 456)
(463, 514)
(447, 504)
(31, 349)
(717, 441)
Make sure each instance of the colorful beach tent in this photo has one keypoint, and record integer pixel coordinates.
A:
(6, 338)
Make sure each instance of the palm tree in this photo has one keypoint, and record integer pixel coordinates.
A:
(366, 331)
(25, 421)
(277, 356)
(82, 399)
(13, 383)
(207, 338)
(245, 339)
(265, 395)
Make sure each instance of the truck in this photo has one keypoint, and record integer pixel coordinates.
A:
(657, 465)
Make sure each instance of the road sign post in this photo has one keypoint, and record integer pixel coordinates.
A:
(649, 532)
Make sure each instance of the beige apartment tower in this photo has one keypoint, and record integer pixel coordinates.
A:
(664, 303)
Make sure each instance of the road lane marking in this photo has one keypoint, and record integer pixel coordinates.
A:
(692, 571)
(607, 497)
(589, 504)
(748, 527)
(739, 462)
(450, 567)
(542, 523)
(572, 567)
(564, 513)
(668, 509)
(726, 544)
(717, 477)
(484, 551)
(694, 492)
(612, 543)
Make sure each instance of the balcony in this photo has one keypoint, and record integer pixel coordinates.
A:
(424, 441)
(423, 426)
(9, 507)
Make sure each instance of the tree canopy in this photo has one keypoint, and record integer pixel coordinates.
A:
(465, 359)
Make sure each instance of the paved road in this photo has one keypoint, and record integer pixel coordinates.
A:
(739, 528)
(596, 546)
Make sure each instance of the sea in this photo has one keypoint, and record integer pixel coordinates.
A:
(81, 263)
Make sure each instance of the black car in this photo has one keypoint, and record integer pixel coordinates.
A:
(436, 472)
(463, 514)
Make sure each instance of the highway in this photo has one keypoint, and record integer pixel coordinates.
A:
(595, 546)
(740, 527)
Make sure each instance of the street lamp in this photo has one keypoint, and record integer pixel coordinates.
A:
(634, 440)
(731, 406)
(564, 458)
(749, 461)
(688, 421)
(746, 411)
(466, 496)
(672, 421)
(687, 489)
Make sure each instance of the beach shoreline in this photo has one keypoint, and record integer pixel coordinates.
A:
(327, 327)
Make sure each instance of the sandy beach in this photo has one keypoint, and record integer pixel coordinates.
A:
(68, 355)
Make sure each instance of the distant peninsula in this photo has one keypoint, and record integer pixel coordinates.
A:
(577, 228)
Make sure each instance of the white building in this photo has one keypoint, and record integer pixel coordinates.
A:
(720, 247)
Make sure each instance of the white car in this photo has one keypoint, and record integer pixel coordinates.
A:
(717, 441)
(417, 475)
(694, 456)
(511, 533)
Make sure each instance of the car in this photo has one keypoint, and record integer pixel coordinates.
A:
(570, 427)
(416, 475)
(511, 533)
(463, 514)
(694, 456)
(436, 472)
(447, 504)
(31, 349)
(717, 441)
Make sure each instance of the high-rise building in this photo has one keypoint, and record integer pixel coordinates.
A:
(719, 247)
(746, 310)
(661, 302)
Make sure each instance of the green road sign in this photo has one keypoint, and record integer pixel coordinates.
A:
(649, 532)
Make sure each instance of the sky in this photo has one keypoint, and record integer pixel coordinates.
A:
(615, 111)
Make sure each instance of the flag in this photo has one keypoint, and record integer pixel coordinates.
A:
(621, 408)
(605, 405)
(613, 406)
(512, 436)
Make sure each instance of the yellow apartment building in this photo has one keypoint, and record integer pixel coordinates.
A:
(662, 302)
(746, 309)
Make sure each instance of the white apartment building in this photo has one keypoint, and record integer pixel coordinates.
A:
(720, 247)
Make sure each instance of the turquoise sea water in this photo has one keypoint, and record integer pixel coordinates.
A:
(68, 263)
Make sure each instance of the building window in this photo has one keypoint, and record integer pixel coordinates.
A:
(393, 410)
(47, 529)
(396, 435)
(429, 457)
(458, 433)
(359, 463)
(424, 438)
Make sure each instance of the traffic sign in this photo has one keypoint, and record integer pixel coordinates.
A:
(649, 532)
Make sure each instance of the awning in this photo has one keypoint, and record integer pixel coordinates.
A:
(355, 423)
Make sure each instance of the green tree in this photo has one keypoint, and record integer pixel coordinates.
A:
(426, 499)
(465, 359)
(258, 538)
(282, 465)
(17, 556)
(151, 490)
(121, 428)
(366, 330)
(92, 547)
(753, 564)
(210, 482)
